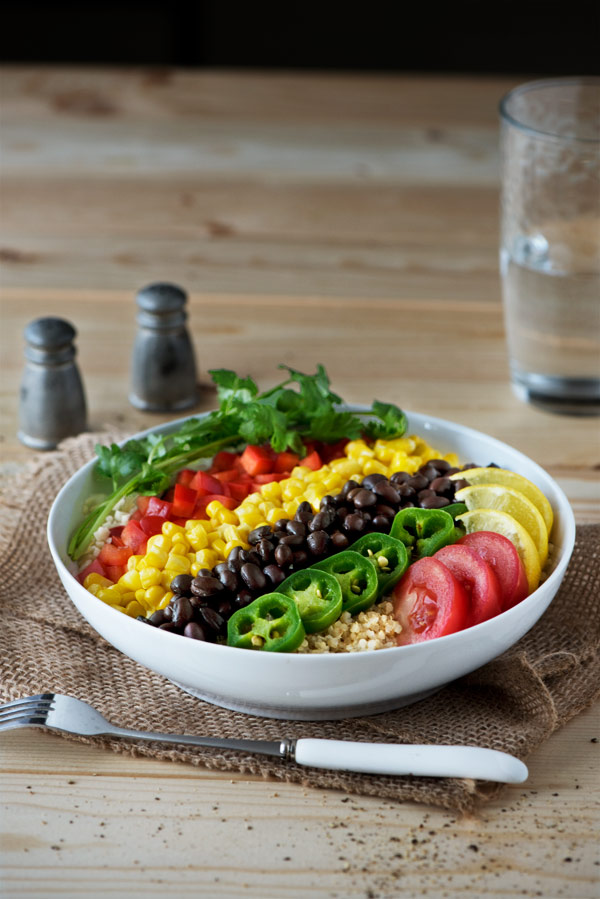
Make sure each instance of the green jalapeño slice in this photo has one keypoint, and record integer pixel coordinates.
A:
(389, 556)
(424, 531)
(318, 596)
(271, 623)
(357, 578)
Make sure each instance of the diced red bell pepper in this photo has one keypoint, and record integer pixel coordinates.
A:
(286, 461)
(239, 491)
(111, 555)
(184, 500)
(185, 476)
(261, 479)
(312, 461)
(159, 507)
(151, 525)
(227, 475)
(94, 567)
(258, 460)
(224, 460)
(205, 483)
(142, 504)
(134, 536)
(116, 541)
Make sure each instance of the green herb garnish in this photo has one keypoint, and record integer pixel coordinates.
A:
(302, 407)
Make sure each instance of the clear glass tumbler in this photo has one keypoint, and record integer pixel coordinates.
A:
(550, 242)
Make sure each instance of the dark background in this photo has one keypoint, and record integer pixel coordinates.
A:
(473, 36)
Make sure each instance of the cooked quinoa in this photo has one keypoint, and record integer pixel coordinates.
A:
(120, 516)
(376, 628)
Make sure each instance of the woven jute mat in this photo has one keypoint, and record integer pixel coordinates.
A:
(512, 704)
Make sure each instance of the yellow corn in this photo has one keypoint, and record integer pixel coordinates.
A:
(96, 580)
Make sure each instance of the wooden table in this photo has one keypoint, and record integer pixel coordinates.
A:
(341, 219)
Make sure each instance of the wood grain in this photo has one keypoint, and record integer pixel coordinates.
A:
(350, 220)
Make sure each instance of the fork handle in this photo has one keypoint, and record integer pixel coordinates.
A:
(392, 758)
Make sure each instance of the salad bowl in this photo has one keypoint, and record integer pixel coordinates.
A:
(322, 686)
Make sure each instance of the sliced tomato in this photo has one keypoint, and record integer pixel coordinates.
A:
(501, 555)
(261, 479)
(115, 539)
(110, 556)
(184, 500)
(312, 461)
(94, 567)
(151, 525)
(135, 537)
(159, 507)
(240, 490)
(257, 460)
(185, 476)
(284, 462)
(205, 483)
(114, 572)
(429, 602)
(477, 579)
(227, 475)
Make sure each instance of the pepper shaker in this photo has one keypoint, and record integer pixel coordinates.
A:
(163, 367)
(52, 401)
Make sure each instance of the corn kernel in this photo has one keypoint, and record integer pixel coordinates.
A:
(291, 508)
(153, 596)
(165, 600)
(156, 558)
(132, 562)
(97, 580)
(372, 466)
(250, 517)
(272, 491)
(230, 533)
(231, 544)
(356, 449)
(111, 595)
(169, 529)
(205, 558)
(131, 580)
(227, 516)
(178, 564)
(197, 538)
(193, 523)
(347, 468)
(140, 594)
(167, 576)
(159, 541)
(149, 577)
(134, 609)
(300, 472)
(218, 547)
(275, 514)
(291, 488)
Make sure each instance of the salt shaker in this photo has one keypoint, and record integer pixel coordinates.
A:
(52, 401)
(163, 365)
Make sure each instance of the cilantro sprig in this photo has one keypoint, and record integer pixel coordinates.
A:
(301, 407)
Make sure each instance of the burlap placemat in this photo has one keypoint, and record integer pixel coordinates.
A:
(512, 704)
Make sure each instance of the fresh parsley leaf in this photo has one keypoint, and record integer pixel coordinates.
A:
(392, 421)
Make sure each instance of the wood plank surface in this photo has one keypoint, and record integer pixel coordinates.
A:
(344, 219)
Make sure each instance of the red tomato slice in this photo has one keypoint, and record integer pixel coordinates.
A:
(501, 555)
(114, 572)
(185, 476)
(113, 556)
(477, 578)
(429, 602)
(261, 479)
(142, 504)
(93, 568)
(159, 507)
(257, 460)
(151, 525)
(134, 536)
(224, 460)
(286, 461)
(312, 461)
(239, 491)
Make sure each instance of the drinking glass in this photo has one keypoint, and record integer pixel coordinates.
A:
(550, 242)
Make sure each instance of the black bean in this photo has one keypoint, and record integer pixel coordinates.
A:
(387, 492)
(418, 482)
(283, 555)
(383, 509)
(318, 542)
(441, 465)
(157, 618)
(167, 626)
(252, 576)
(372, 479)
(354, 522)
(364, 498)
(405, 491)
(264, 549)
(205, 572)
(167, 612)
(224, 608)
(451, 471)
(304, 512)
(211, 619)
(143, 619)
(339, 541)
(229, 579)
(442, 485)
(243, 599)
(342, 512)
(322, 520)
(296, 528)
(328, 502)
(425, 494)
(407, 504)
(434, 502)
(234, 560)
(206, 586)
(274, 574)
(348, 487)
(291, 540)
(281, 525)
(459, 484)
(182, 583)
(300, 558)
(182, 611)
(263, 532)
(429, 471)
(399, 477)
(194, 630)
(381, 523)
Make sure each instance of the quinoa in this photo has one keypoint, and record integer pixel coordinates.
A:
(376, 628)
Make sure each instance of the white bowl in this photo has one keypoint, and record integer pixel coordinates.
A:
(327, 686)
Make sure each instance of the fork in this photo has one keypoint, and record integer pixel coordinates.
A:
(69, 715)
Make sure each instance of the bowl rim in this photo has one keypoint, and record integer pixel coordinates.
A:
(426, 422)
